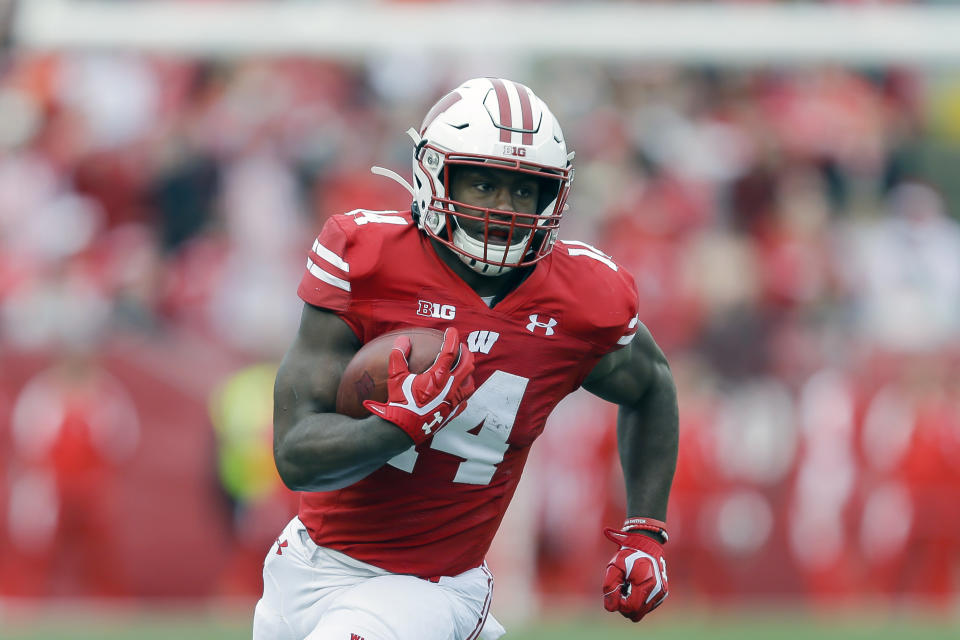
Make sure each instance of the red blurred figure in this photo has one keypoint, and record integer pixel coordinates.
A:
(909, 528)
(72, 427)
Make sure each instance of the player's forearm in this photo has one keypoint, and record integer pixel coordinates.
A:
(328, 451)
(647, 436)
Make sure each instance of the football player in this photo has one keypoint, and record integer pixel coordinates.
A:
(398, 510)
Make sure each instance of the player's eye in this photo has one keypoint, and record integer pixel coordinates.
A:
(524, 193)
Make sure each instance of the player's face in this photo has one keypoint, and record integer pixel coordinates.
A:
(482, 188)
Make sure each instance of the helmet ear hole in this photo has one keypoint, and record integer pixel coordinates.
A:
(549, 190)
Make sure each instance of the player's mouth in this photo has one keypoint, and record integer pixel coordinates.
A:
(503, 231)
(496, 232)
(497, 236)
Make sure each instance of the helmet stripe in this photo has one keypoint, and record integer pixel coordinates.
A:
(506, 115)
(526, 111)
(445, 103)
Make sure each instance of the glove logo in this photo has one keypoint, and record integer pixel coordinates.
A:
(437, 419)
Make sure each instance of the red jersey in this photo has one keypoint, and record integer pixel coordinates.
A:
(434, 509)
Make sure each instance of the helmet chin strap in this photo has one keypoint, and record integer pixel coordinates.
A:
(483, 268)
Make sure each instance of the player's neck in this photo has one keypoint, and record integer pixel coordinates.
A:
(484, 286)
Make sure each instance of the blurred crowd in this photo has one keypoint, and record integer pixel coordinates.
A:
(793, 235)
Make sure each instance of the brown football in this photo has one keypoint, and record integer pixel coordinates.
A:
(365, 377)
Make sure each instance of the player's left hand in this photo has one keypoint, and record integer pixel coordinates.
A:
(635, 582)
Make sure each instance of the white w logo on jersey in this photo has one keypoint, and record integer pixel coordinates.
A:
(546, 326)
(481, 341)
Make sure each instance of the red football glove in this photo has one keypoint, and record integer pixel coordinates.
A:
(635, 582)
(422, 403)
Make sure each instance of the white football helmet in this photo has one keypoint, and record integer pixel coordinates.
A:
(491, 121)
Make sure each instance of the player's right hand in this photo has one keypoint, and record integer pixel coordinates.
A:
(422, 403)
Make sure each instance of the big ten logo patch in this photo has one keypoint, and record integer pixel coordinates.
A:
(436, 310)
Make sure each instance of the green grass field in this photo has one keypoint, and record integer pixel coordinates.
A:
(678, 625)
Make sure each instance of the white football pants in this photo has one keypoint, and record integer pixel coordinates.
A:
(315, 593)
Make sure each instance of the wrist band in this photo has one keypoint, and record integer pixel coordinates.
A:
(646, 524)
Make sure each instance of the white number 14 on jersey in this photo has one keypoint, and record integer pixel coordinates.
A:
(494, 404)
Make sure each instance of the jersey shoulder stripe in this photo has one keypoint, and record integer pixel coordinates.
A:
(631, 331)
(348, 247)
(331, 257)
(317, 272)
(327, 265)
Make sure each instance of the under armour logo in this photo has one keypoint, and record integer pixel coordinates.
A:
(437, 419)
(281, 546)
(546, 326)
